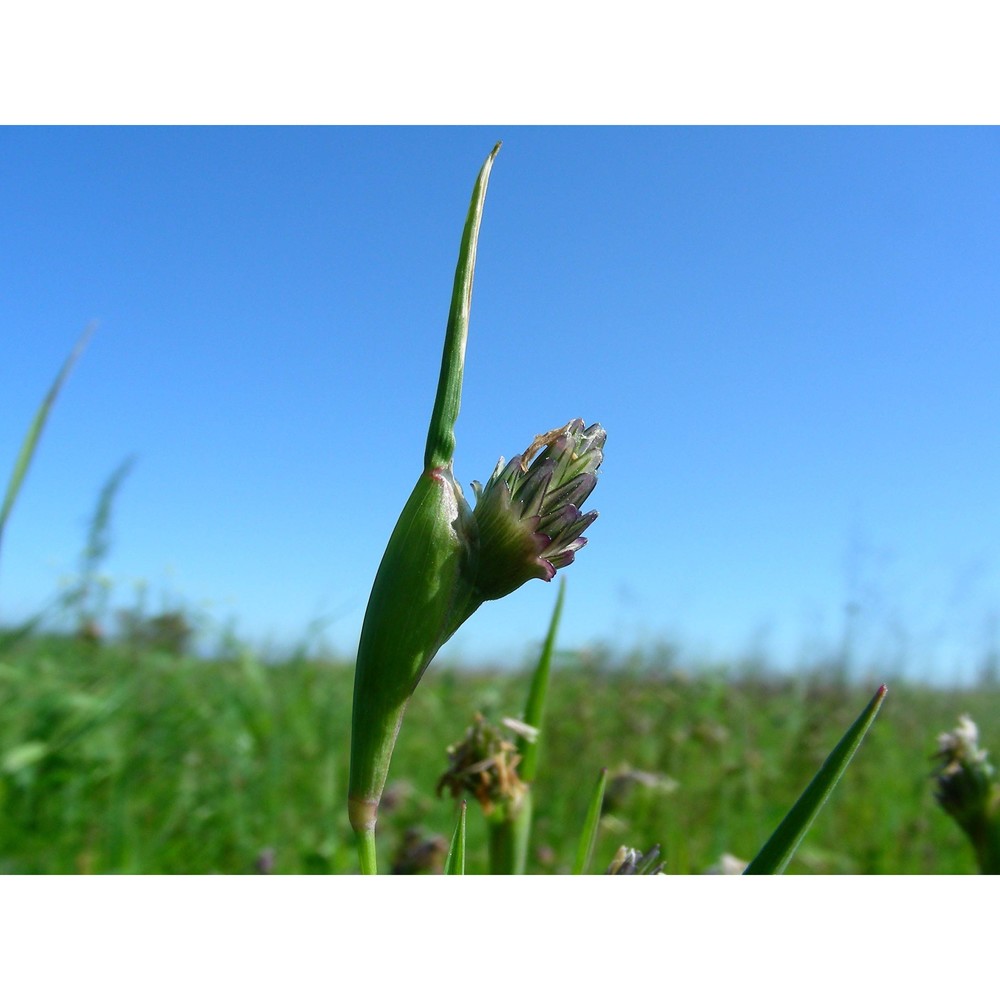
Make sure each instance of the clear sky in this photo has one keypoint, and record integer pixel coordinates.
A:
(792, 337)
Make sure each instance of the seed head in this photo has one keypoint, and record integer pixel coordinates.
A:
(484, 764)
(964, 775)
(528, 513)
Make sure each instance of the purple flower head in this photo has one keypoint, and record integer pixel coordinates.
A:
(528, 513)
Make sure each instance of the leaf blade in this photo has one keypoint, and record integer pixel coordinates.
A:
(773, 857)
(455, 862)
(23, 461)
(440, 448)
(588, 836)
(534, 708)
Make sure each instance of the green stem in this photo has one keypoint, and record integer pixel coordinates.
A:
(366, 851)
(521, 834)
(501, 845)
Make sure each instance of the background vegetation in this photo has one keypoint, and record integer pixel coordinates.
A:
(137, 757)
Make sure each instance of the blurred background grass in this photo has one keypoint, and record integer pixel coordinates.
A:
(133, 756)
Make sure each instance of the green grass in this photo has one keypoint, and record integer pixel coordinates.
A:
(119, 760)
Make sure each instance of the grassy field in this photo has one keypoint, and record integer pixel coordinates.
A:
(127, 760)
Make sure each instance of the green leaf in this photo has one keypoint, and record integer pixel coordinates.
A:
(441, 433)
(588, 836)
(455, 862)
(535, 707)
(30, 442)
(534, 711)
(774, 856)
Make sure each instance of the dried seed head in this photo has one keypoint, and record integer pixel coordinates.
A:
(484, 764)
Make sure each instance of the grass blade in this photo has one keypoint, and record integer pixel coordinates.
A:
(30, 443)
(534, 710)
(455, 862)
(774, 856)
(535, 706)
(441, 433)
(588, 837)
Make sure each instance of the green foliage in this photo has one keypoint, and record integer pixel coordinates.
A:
(120, 760)
(774, 856)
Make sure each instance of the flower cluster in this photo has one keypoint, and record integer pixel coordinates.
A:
(528, 513)
(967, 791)
(484, 764)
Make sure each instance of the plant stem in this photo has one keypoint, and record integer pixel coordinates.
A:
(501, 845)
(366, 851)
(521, 833)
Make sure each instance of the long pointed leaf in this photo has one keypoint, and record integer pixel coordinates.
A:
(35, 429)
(776, 853)
(588, 836)
(455, 862)
(441, 433)
(535, 707)
(534, 711)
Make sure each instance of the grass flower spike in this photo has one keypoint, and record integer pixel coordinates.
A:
(443, 559)
(529, 518)
(968, 791)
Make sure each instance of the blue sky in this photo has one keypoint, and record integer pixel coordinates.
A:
(790, 335)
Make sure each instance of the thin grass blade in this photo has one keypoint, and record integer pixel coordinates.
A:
(455, 862)
(534, 709)
(30, 443)
(774, 856)
(441, 434)
(588, 837)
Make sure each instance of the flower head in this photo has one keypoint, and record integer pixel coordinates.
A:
(528, 513)
(964, 774)
(968, 792)
(484, 764)
(960, 746)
